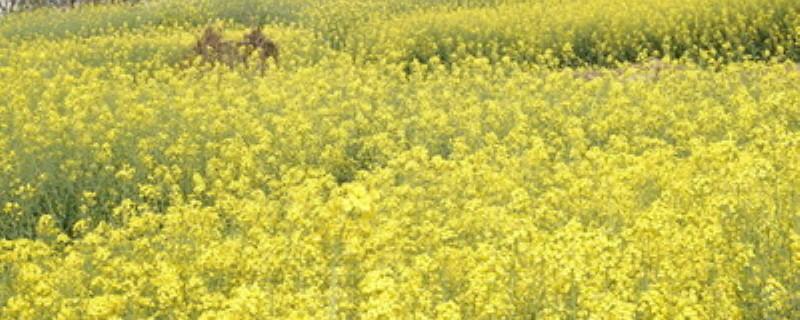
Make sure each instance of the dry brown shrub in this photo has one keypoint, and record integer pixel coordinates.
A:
(256, 41)
(213, 49)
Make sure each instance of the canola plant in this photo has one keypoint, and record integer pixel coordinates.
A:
(405, 159)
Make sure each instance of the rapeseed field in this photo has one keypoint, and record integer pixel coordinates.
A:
(406, 159)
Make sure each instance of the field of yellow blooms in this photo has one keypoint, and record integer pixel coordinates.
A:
(403, 159)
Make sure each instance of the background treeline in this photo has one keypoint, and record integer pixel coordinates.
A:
(20, 5)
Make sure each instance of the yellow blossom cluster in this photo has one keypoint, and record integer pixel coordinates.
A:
(579, 33)
(349, 183)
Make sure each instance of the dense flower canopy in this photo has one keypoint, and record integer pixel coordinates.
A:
(404, 159)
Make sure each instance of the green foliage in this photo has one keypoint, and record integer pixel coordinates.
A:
(97, 20)
(580, 33)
